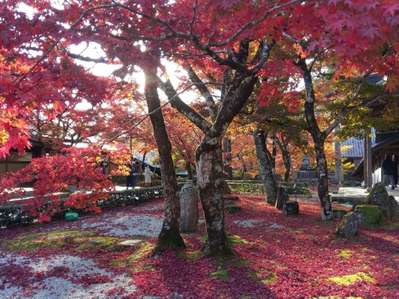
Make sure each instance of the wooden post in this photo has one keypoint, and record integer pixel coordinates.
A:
(367, 158)
(338, 163)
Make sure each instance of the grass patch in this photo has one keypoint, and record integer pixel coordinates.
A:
(99, 242)
(190, 255)
(236, 239)
(347, 280)
(54, 239)
(270, 279)
(345, 253)
(143, 250)
(221, 273)
(265, 277)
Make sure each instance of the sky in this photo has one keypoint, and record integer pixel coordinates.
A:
(93, 50)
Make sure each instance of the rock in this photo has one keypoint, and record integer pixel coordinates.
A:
(380, 197)
(175, 295)
(349, 225)
(339, 213)
(378, 194)
(291, 208)
(393, 208)
(133, 242)
(276, 226)
(188, 208)
(371, 214)
(248, 222)
(282, 198)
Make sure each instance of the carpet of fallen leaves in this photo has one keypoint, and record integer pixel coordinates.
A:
(275, 257)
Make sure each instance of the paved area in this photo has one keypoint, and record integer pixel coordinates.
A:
(359, 192)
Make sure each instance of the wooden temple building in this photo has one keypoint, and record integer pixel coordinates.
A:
(14, 161)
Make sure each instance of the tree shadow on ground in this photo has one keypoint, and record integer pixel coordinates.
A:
(207, 277)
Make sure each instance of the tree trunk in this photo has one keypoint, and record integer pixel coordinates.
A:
(210, 184)
(169, 236)
(286, 157)
(265, 167)
(322, 176)
(319, 138)
(228, 171)
(273, 153)
(287, 166)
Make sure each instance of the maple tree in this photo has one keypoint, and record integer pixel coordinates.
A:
(185, 138)
(348, 47)
(53, 175)
(227, 47)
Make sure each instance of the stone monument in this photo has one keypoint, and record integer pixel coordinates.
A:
(188, 208)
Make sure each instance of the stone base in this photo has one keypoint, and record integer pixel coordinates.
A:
(291, 208)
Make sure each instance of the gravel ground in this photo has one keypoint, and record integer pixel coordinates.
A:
(73, 272)
(127, 226)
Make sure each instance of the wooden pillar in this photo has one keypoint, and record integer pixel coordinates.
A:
(368, 160)
(338, 163)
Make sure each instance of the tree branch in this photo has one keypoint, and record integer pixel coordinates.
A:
(177, 103)
(252, 23)
(203, 89)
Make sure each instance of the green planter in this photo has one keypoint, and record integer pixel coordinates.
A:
(71, 216)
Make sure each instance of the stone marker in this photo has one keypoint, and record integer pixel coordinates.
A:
(291, 208)
(188, 208)
(349, 225)
(282, 198)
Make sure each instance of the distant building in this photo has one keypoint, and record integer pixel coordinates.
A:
(15, 162)
(385, 143)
